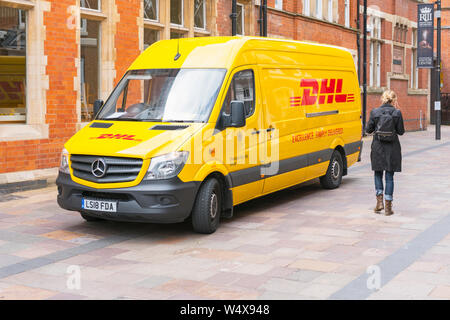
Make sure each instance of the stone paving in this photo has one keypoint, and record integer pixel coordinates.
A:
(300, 243)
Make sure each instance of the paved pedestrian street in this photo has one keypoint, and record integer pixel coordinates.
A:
(300, 243)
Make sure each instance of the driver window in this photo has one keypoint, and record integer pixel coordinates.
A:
(242, 89)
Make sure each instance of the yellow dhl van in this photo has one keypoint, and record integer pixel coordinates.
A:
(197, 126)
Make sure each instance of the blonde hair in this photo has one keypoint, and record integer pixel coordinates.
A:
(388, 96)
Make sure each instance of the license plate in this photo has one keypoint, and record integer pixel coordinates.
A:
(98, 205)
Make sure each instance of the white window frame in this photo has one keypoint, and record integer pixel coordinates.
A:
(375, 64)
(307, 7)
(372, 71)
(347, 13)
(21, 24)
(279, 4)
(96, 10)
(330, 10)
(378, 64)
(182, 16)
(204, 16)
(99, 61)
(319, 9)
(157, 12)
(242, 19)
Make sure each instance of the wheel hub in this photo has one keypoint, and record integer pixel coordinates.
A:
(214, 206)
(335, 170)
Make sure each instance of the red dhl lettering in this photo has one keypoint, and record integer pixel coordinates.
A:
(117, 137)
(323, 91)
(318, 134)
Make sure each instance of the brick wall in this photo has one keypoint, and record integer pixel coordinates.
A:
(61, 50)
(127, 36)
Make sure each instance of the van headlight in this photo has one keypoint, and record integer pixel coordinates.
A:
(64, 164)
(166, 166)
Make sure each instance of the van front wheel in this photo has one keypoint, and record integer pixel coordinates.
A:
(333, 178)
(207, 207)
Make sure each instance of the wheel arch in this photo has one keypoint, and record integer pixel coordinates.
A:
(227, 193)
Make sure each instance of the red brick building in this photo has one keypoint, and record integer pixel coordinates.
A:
(58, 56)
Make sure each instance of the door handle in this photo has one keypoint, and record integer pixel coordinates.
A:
(255, 132)
(270, 129)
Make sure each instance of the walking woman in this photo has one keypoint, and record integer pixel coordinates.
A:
(386, 122)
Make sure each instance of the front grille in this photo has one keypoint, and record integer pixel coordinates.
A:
(117, 169)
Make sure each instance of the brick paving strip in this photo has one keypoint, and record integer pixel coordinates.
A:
(261, 276)
(35, 263)
(392, 265)
(357, 289)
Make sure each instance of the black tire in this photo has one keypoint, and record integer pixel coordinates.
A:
(333, 178)
(207, 207)
(90, 218)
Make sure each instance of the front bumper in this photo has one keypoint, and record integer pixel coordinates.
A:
(160, 201)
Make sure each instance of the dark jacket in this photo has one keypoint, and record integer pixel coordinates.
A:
(386, 155)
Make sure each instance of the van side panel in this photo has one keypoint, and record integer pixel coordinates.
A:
(315, 109)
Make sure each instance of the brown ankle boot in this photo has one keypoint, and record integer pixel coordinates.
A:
(388, 211)
(379, 205)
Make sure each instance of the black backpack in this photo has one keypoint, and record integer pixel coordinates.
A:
(385, 130)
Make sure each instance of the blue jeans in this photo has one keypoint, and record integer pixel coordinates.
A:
(389, 177)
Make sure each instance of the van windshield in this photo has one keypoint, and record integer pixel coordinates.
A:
(166, 95)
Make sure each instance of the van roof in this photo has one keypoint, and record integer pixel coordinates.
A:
(228, 52)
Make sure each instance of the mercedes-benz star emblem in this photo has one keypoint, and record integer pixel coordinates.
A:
(98, 168)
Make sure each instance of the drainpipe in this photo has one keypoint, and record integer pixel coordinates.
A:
(364, 66)
(265, 18)
(233, 17)
(358, 42)
(260, 20)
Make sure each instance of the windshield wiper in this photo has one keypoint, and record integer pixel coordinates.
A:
(119, 119)
(181, 121)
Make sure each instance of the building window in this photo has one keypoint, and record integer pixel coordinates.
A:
(150, 37)
(375, 64)
(240, 20)
(200, 14)
(176, 35)
(397, 60)
(375, 52)
(279, 4)
(151, 10)
(347, 13)
(319, 9)
(12, 65)
(176, 12)
(90, 4)
(306, 7)
(90, 66)
(330, 10)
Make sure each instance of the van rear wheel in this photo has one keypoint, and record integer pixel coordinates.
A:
(207, 207)
(333, 178)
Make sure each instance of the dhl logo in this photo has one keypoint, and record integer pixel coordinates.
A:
(325, 91)
(117, 137)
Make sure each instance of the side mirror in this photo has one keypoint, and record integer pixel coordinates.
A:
(97, 105)
(237, 114)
